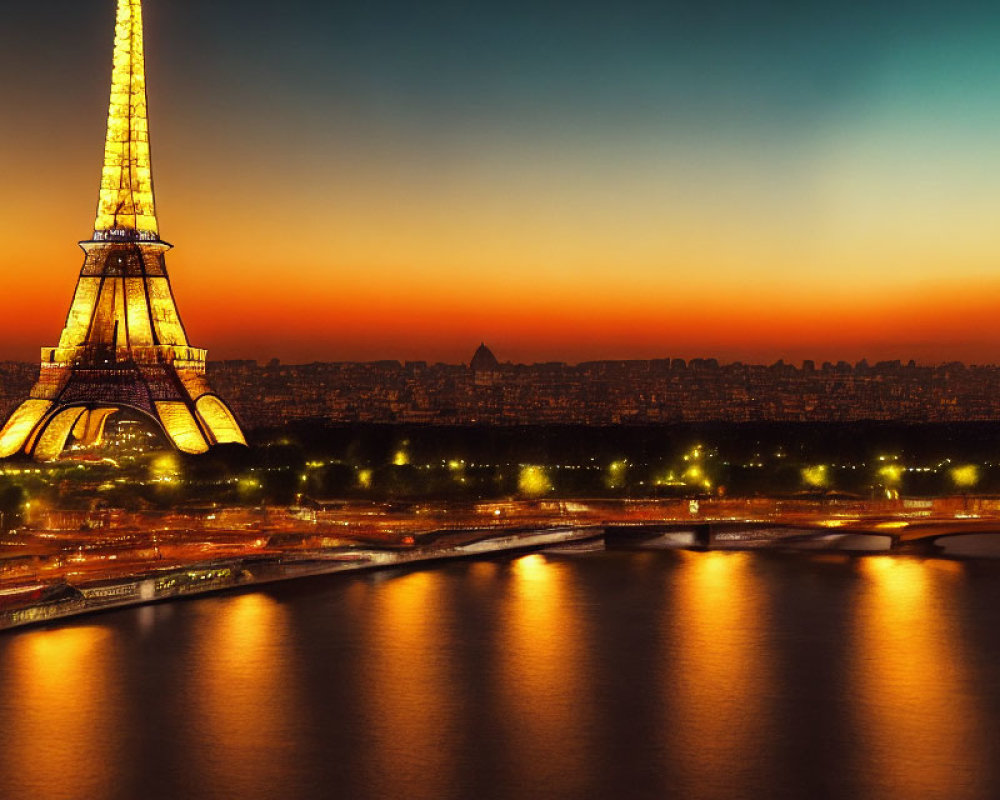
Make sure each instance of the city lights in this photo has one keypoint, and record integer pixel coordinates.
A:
(891, 474)
(165, 467)
(965, 477)
(616, 475)
(817, 476)
(533, 481)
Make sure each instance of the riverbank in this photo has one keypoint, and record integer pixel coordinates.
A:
(152, 568)
(54, 603)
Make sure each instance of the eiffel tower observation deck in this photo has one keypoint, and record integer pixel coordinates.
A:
(123, 345)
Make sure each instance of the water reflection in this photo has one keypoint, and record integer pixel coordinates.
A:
(543, 677)
(245, 711)
(720, 674)
(408, 684)
(918, 723)
(61, 713)
(714, 675)
(482, 574)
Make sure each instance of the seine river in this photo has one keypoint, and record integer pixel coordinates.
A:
(605, 675)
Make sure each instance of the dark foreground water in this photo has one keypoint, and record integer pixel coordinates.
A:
(687, 675)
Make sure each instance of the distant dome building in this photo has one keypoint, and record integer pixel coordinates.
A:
(484, 365)
(483, 360)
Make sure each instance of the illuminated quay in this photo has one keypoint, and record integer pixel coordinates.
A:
(123, 345)
(62, 567)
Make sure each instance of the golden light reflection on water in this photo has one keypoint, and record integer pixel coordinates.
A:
(483, 573)
(62, 740)
(543, 681)
(916, 716)
(720, 668)
(244, 702)
(411, 716)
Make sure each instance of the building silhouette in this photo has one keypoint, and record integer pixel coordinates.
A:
(485, 367)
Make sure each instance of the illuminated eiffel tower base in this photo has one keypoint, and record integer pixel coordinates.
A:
(123, 345)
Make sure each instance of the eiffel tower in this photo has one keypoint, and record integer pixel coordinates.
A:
(124, 345)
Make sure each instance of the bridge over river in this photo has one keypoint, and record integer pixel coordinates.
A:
(955, 537)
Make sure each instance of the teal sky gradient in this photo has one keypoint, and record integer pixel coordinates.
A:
(650, 156)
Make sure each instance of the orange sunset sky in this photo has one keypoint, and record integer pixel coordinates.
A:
(810, 189)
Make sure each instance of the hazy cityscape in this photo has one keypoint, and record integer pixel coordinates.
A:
(272, 394)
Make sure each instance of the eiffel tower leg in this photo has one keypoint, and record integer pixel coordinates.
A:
(21, 425)
(53, 438)
(180, 425)
(89, 429)
(193, 427)
(218, 420)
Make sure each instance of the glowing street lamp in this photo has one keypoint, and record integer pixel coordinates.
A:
(891, 477)
(891, 474)
(965, 477)
(615, 477)
(533, 481)
(816, 476)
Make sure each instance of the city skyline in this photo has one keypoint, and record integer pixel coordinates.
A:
(805, 183)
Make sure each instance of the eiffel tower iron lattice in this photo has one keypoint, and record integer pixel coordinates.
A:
(123, 345)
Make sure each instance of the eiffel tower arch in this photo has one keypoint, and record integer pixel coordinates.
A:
(123, 345)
